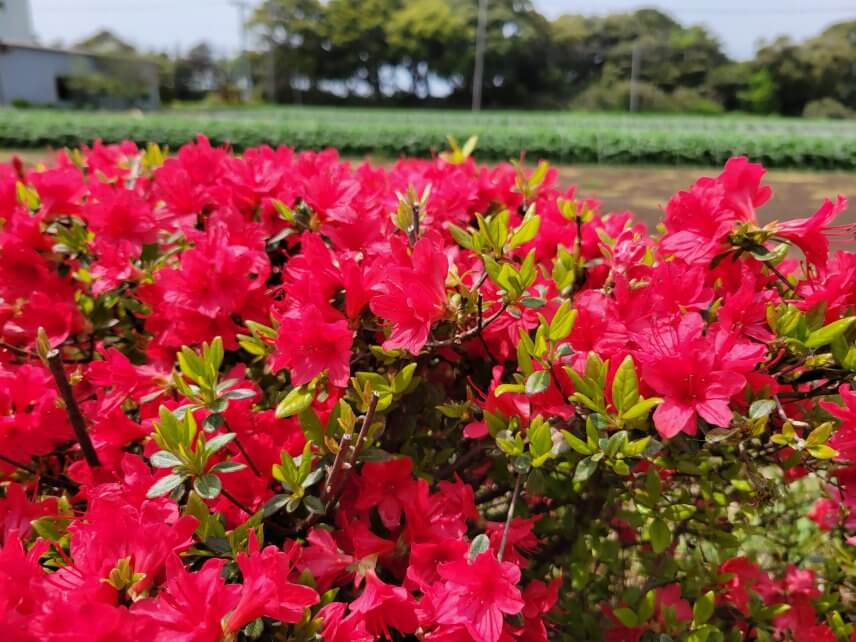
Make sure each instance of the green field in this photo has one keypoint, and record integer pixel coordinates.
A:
(564, 137)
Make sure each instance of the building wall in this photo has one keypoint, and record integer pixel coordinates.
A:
(16, 21)
(31, 74)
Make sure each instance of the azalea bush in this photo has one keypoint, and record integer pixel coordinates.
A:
(275, 396)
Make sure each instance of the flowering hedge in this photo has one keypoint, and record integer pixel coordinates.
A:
(277, 397)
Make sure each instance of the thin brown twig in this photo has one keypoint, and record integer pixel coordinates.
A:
(469, 334)
(78, 424)
(55, 481)
(243, 450)
(480, 335)
(18, 464)
(236, 501)
(782, 277)
(413, 232)
(341, 469)
(358, 446)
(338, 463)
(367, 422)
(16, 349)
(509, 517)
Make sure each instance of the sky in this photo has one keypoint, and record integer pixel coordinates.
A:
(179, 24)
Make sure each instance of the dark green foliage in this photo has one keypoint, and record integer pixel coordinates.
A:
(559, 137)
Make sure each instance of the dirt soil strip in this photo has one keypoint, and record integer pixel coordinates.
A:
(646, 190)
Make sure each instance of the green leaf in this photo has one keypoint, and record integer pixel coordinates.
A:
(304, 462)
(822, 452)
(295, 402)
(716, 435)
(46, 528)
(311, 425)
(585, 469)
(641, 408)
(647, 606)
(829, 333)
(532, 302)
(208, 486)
(525, 233)
(820, 435)
(523, 463)
(636, 448)
(274, 505)
(403, 378)
(212, 422)
(540, 439)
(313, 504)
(479, 545)
(577, 444)
(653, 484)
(287, 472)
(504, 388)
(537, 382)
(191, 365)
(164, 459)
(660, 535)
(761, 408)
(563, 322)
(318, 473)
(615, 443)
(216, 443)
(214, 354)
(254, 629)
(625, 386)
(626, 616)
(679, 512)
(165, 485)
(703, 608)
(240, 393)
(227, 467)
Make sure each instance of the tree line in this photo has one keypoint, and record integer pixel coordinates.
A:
(397, 52)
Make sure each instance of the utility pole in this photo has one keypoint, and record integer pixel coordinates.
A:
(634, 77)
(272, 54)
(247, 88)
(478, 69)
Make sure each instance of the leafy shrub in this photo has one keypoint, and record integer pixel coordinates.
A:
(275, 396)
(558, 136)
(827, 108)
(691, 101)
(615, 96)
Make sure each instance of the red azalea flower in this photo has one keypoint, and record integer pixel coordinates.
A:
(387, 485)
(193, 605)
(338, 628)
(122, 219)
(478, 595)
(266, 589)
(384, 606)
(680, 364)
(323, 558)
(308, 344)
(844, 438)
(809, 234)
(412, 294)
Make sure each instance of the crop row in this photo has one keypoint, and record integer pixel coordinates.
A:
(568, 139)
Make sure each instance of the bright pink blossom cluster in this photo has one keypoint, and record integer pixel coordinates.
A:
(298, 263)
